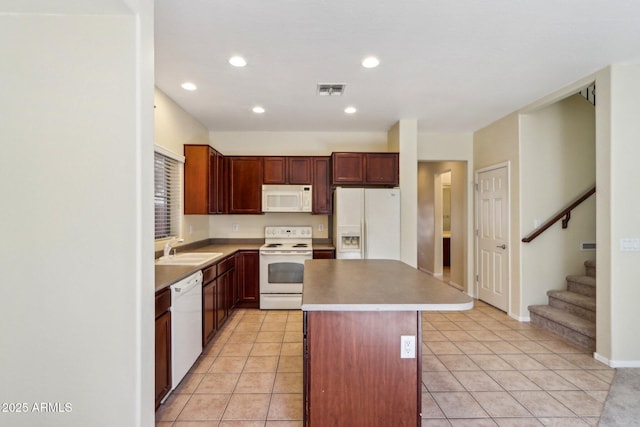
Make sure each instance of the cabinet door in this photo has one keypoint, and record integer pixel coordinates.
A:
(381, 168)
(196, 179)
(248, 272)
(275, 170)
(324, 254)
(163, 356)
(208, 312)
(299, 170)
(221, 300)
(322, 203)
(245, 185)
(347, 168)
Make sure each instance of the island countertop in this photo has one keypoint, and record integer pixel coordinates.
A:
(375, 285)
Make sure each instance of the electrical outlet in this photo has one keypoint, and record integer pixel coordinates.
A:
(320, 227)
(407, 347)
(234, 227)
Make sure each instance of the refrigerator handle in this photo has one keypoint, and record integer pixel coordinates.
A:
(363, 241)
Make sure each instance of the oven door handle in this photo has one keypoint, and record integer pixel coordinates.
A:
(286, 253)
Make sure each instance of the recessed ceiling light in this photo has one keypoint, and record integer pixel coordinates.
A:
(350, 110)
(370, 62)
(237, 61)
(258, 110)
(189, 86)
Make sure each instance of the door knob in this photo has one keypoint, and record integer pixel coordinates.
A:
(502, 246)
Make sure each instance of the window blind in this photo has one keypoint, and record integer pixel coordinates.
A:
(167, 197)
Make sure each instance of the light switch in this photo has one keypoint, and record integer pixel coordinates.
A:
(630, 245)
(407, 347)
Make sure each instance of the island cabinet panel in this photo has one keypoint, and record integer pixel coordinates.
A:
(322, 200)
(356, 377)
(245, 185)
(163, 345)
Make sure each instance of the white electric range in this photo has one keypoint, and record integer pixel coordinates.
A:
(282, 260)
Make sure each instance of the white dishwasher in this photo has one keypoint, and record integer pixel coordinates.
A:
(186, 325)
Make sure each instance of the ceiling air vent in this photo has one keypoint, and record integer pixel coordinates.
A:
(331, 89)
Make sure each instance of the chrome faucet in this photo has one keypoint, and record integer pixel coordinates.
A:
(167, 246)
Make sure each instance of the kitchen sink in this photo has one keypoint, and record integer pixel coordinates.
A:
(188, 258)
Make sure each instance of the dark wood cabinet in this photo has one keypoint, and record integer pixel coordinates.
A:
(381, 168)
(248, 278)
(324, 254)
(446, 251)
(163, 345)
(245, 185)
(204, 180)
(209, 292)
(322, 200)
(367, 169)
(299, 170)
(347, 168)
(287, 170)
(274, 170)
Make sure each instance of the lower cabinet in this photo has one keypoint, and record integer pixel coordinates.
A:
(324, 254)
(163, 345)
(248, 279)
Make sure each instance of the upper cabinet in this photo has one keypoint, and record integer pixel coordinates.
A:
(245, 184)
(322, 201)
(287, 170)
(204, 180)
(365, 169)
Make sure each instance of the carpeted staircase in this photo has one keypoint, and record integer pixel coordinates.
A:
(571, 313)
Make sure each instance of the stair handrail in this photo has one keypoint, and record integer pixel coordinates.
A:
(566, 213)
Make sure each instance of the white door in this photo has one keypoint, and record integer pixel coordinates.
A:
(493, 236)
(382, 223)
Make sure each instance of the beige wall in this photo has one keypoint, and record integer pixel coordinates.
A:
(174, 128)
(497, 144)
(557, 164)
(429, 258)
(617, 207)
(77, 165)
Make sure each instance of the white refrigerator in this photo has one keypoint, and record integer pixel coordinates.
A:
(366, 223)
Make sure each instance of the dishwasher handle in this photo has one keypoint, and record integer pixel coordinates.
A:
(187, 284)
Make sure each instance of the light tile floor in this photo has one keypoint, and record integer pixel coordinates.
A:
(480, 368)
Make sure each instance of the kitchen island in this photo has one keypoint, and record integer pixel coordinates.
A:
(363, 338)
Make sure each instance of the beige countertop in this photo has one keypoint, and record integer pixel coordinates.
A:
(166, 275)
(375, 285)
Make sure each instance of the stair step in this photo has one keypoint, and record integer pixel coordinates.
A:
(585, 285)
(573, 328)
(573, 303)
(590, 267)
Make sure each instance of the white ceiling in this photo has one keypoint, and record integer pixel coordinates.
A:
(454, 65)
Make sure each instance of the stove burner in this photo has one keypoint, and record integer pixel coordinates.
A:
(300, 245)
(274, 245)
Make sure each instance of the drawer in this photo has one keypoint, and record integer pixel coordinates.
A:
(226, 264)
(163, 301)
(209, 273)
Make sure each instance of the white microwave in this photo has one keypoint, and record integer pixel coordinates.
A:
(286, 198)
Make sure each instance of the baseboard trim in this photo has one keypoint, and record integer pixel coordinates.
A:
(617, 363)
(520, 318)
